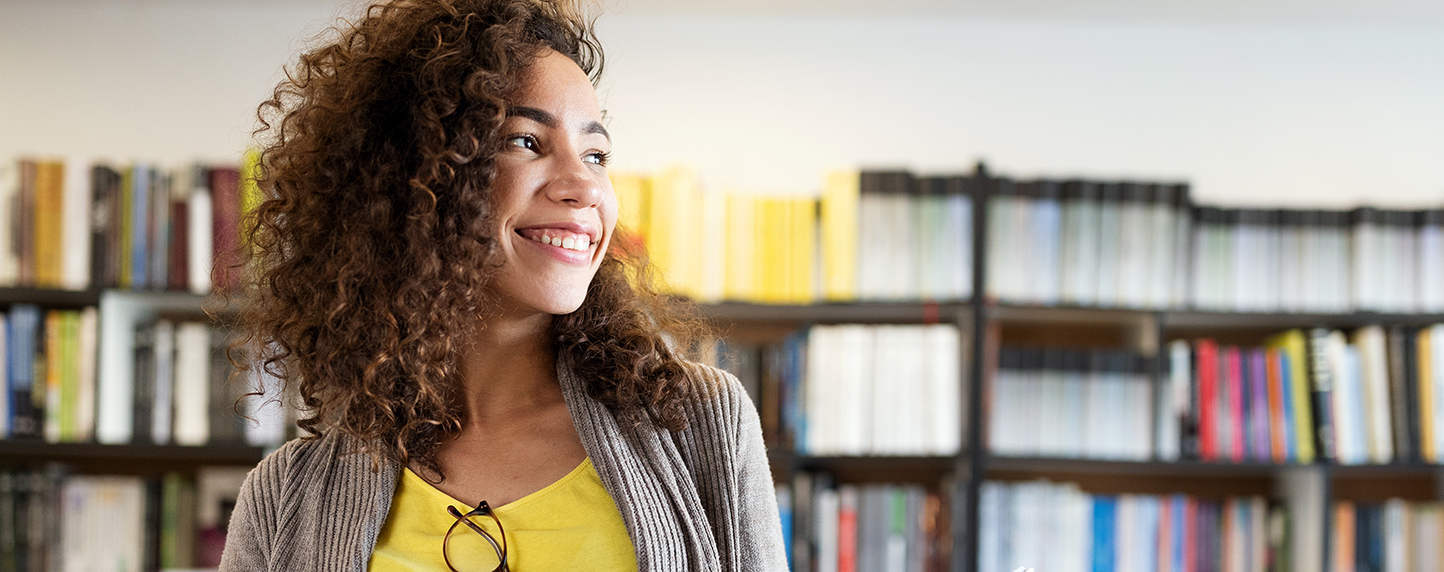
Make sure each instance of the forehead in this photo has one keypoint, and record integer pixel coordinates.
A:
(554, 83)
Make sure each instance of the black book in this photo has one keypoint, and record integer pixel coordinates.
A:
(142, 420)
(8, 529)
(1321, 380)
(1402, 397)
(225, 423)
(104, 227)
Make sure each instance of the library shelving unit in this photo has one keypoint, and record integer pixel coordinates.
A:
(119, 312)
(1306, 490)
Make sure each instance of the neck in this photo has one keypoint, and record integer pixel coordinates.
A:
(509, 369)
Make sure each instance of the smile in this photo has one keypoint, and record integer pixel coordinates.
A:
(560, 238)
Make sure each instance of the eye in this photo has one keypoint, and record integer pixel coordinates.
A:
(523, 141)
(598, 158)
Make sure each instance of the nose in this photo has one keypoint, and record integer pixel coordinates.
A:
(575, 185)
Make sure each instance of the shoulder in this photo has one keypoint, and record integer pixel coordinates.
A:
(716, 394)
(302, 462)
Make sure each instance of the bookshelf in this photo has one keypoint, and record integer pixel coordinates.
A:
(986, 325)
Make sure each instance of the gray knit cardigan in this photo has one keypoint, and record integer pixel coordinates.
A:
(697, 500)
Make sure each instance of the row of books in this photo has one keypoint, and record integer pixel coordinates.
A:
(49, 372)
(1395, 535)
(1318, 261)
(139, 226)
(53, 521)
(180, 390)
(1372, 396)
(857, 389)
(1060, 528)
(1058, 402)
(869, 236)
(1088, 243)
(864, 528)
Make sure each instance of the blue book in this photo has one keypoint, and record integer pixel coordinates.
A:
(784, 509)
(139, 226)
(1177, 529)
(23, 331)
(1104, 516)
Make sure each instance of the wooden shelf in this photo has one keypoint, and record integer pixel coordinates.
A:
(159, 455)
(859, 312)
(1152, 468)
(49, 297)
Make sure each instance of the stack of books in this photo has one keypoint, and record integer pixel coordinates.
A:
(136, 227)
(1057, 402)
(1393, 535)
(1088, 243)
(48, 370)
(1371, 396)
(1253, 260)
(53, 521)
(882, 236)
(857, 528)
(1057, 527)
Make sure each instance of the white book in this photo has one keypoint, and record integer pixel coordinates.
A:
(1424, 543)
(1290, 258)
(856, 354)
(1174, 400)
(1076, 542)
(991, 538)
(86, 394)
(200, 248)
(815, 389)
(824, 519)
(943, 400)
(1000, 246)
(1096, 409)
(1269, 270)
(1124, 537)
(164, 407)
(1133, 247)
(870, 240)
(1364, 250)
(957, 249)
(1396, 536)
(1429, 255)
(1075, 417)
(1182, 247)
(1108, 245)
(1358, 406)
(1374, 366)
(1046, 226)
(999, 410)
(912, 376)
(1201, 295)
(192, 383)
(103, 521)
(1241, 294)
(1162, 232)
(883, 389)
(1085, 279)
(1258, 534)
(75, 226)
(1051, 406)
(1141, 437)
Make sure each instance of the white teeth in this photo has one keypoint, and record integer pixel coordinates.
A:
(578, 243)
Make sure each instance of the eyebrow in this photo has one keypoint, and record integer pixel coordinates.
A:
(550, 121)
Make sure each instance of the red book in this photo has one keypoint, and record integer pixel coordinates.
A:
(847, 529)
(1190, 535)
(1235, 403)
(1278, 428)
(178, 258)
(1165, 534)
(226, 221)
(1206, 358)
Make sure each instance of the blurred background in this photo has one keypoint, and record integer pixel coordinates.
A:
(1208, 239)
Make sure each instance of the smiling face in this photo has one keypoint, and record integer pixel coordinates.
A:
(553, 201)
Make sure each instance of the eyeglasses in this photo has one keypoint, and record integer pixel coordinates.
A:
(482, 509)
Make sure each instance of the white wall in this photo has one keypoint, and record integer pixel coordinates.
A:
(1251, 111)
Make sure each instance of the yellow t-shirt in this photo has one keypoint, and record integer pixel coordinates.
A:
(571, 524)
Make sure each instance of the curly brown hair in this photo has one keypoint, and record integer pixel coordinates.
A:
(373, 248)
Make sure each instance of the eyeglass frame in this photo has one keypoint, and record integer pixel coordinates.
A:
(482, 509)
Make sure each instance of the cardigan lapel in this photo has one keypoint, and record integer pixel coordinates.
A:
(643, 471)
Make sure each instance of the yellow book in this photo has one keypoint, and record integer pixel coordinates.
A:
(712, 246)
(631, 190)
(56, 418)
(1293, 344)
(839, 211)
(771, 255)
(741, 279)
(127, 194)
(674, 233)
(1425, 356)
(49, 203)
(801, 248)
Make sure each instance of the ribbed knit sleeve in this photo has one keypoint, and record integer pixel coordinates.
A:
(723, 446)
(253, 527)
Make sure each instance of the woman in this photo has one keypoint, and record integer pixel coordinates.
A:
(484, 387)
